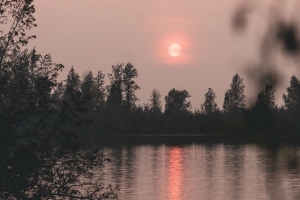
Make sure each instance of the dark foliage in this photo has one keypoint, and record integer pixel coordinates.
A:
(40, 157)
(209, 106)
(264, 117)
(234, 100)
(262, 114)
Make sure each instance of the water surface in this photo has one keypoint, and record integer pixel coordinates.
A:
(195, 170)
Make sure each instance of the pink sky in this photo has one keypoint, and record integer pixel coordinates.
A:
(95, 34)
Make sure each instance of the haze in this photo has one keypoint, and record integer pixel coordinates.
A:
(95, 34)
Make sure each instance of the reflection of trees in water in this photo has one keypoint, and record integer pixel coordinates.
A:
(234, 169)
(156, 159)
(210, 167)
(290, 157)
(121, 169)
(207, 171)
(270, 165)
(129, 164)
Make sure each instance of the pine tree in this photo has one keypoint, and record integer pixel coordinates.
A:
(266, 98)
(234, 100)
(155, 102)
(87, 90)
(130, 86)
(115, 96)
(99, 90)
(209, 106)
(292, 98)
(72, 85)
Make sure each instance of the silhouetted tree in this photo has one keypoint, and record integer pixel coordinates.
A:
(99, 90)
(292, 105)
(59, 91)
(121, 98)
(155, 102)
(72, 95)
(209, 106)
(130, 86)
(30, 123)
(262, 114)
(18, 15)
(87, 88)
(122, 86)
(153, 116)
(234, 101)
(207, 118)
(98, 99)
(115, 96)
(177, 111)
(72, 85)
(176, 101)
(266, 98)
(292, 98)
(39, 157)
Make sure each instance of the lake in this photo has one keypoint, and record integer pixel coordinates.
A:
(181, 168)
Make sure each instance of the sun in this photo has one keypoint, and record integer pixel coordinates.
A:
(174, 49)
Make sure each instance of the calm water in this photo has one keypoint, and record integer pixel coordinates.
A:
(164, 171)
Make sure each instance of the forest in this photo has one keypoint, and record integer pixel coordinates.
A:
(114, 109)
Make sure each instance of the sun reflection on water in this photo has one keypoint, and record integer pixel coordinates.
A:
(175, 173)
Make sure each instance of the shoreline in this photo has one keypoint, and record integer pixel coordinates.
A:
(181, 140)
(192, 135)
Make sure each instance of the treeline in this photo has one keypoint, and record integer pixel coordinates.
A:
(113, 108)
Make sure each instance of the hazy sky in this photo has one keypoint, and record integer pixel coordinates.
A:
(95, 34)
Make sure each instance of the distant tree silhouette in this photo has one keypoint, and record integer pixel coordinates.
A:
(263, 111)
(115, 96)
(177, 111)
(234, 101)
(152, 112)
(292, 106)
(292, 98)
(99, 95)
(123, 86)
(121, 100)
(176, 101)
(99, 90)
(208, 117)
(72, 85)
(87, 89)
(155, 102)
(73, 98)
(130, 86)
(209, 106)
(58, 91)
(266, 98)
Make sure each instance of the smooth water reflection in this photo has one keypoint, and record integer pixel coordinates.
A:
(175, 173)
(200, 171)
